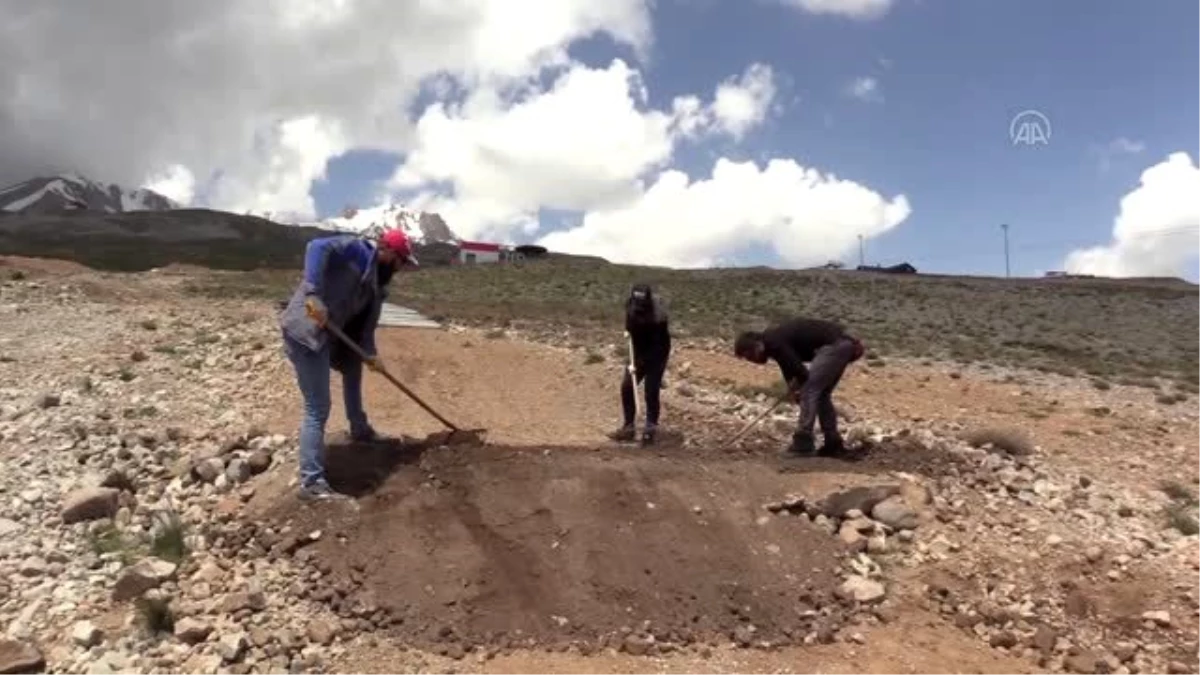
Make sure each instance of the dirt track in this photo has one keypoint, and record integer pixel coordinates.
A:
(550, 537)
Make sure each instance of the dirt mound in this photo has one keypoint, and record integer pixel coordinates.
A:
(556, 546)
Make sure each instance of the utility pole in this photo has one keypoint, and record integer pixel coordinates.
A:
(1007, 270)
(860, 251)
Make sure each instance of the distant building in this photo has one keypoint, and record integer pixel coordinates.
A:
(902, 268)
(478, 252)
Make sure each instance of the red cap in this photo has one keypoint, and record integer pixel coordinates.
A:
(396, 240)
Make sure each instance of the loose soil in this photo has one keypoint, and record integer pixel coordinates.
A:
(548, 544)
(553, 546)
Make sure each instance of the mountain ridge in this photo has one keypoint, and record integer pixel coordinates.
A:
(71, 191)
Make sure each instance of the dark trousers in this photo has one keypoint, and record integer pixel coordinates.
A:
(651, 375)
(816, 394)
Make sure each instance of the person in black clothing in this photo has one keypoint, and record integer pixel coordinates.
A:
(829, 349)
(646, 324)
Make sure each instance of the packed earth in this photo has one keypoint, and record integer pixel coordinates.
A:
(991, 520)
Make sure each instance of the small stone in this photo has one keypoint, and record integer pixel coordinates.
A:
(86, 634)
(861, 589)
(20, 657)
(849, 534)
(1044, 639)
(1093, 553)
(896, 514)
(32, 567)
(91, 503)
(1158, 617)
(321, 632)
(145, 574)
(1004, 639)
(1179, 668)
(8, 527)
(209, 469)
(1053, 540)
(259, 461)
(49, 401)
(877, 544)
(231, 646)
(1083, 662)
(191, 631)
(637, 646)
(238, 471)
(743, 635)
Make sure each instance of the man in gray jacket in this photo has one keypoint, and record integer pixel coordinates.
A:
(344, 283)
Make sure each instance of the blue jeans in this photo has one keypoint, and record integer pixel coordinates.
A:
(312, 374)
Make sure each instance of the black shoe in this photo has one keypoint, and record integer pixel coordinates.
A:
(802, 445)
(623, 435)
(832, 449)
(649, 433)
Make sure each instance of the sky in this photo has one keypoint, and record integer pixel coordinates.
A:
(685, 133)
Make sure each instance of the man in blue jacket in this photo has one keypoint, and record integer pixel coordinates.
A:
(344, 283)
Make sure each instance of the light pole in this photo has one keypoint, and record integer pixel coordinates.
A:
(861, 261)
(1007, 270)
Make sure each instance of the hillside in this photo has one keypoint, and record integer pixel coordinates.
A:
(1132, 332)
(1120, 330)
(147, 239)
(1135, 333)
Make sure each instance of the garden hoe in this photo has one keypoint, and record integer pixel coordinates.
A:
(456, 434)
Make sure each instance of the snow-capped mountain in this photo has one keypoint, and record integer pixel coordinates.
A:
(422, 227)
(50, 194)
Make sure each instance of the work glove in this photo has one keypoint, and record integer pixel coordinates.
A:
(316, 310)
(794, 387)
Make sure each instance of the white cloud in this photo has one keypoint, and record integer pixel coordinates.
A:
(1157, 231)
(742, 104)
(854, 9)
(1126, 146)
(804, 216)
(583, 144)
(240, 105)
(175, 183)
(1115, 149)
(864, 89)
(235, 90)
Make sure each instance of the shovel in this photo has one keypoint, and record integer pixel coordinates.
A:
(464, 435)
(637, 402)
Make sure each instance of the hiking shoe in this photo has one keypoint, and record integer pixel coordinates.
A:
(320, 492)
(835, 448)
(802, 445)
(624, 434)
(649, 433)
(365, 435)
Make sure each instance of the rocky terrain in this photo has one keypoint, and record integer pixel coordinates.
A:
(995, 519)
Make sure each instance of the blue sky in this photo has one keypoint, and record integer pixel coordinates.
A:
(951, 75)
